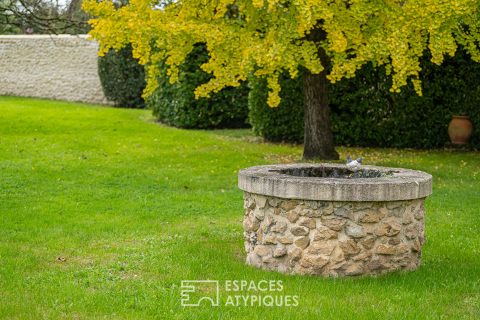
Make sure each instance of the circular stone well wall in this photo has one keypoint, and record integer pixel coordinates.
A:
(325, 219)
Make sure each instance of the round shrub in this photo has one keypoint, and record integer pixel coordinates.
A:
(122, 78)
(175, 104)
(282, 123)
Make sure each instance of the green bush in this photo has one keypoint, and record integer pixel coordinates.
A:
(365, 112)
(122, 78)
(175, 104)
(283, 123)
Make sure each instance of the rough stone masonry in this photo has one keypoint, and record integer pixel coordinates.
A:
(332, 238)
(62, 67)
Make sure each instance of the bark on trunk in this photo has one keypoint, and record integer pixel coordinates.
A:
(318, 137)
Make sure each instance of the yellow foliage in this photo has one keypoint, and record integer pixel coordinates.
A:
(266, 37)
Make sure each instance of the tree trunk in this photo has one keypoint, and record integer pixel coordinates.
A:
(318, 137)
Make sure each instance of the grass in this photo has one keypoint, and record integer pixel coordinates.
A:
(103, 213)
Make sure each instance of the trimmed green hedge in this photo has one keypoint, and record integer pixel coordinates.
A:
(122, 78)
(283, 123)
(365, 113)
(175, 104)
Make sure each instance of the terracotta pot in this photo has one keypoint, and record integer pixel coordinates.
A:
(460, 129)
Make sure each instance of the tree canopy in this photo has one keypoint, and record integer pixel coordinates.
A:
(268, 37)
(42, 16)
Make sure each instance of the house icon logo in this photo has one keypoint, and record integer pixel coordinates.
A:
(195, 293)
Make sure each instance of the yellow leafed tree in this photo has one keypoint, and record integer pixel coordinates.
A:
(269, 37)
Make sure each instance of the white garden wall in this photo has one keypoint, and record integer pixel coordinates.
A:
(62, 67)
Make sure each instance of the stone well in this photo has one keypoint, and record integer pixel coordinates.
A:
(325, 219)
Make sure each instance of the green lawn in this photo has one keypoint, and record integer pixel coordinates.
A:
(103, 212)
